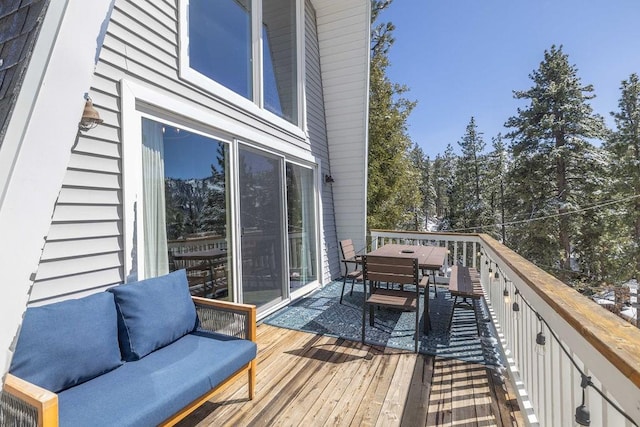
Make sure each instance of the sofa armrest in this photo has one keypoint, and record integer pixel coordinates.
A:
(238, 320)
(23, 403)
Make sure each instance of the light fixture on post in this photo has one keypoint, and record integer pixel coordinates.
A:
(329, 179)
(583, 417)
(90, 117)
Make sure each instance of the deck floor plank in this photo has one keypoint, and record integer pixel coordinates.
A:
(314, 380)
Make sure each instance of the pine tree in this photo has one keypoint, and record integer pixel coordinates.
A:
(624, 146)
(471, 211)
(497, 163)
(443, 171)
(552, 158)
(392, 180)
(439, 186)
(426, 210)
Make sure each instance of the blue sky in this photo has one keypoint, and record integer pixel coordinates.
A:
(463, 58)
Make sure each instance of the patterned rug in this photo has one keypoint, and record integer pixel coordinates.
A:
(322, 313)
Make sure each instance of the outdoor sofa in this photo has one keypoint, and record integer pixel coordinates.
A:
(143, 354)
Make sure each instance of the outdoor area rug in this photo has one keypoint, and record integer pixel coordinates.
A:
(322, 313)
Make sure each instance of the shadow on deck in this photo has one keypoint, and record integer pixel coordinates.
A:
(312, 380)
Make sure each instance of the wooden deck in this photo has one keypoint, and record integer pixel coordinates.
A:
(312, 380)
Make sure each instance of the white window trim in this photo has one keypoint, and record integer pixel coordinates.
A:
(133, 94)
(253, 106)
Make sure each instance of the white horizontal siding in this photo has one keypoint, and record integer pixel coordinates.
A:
(84, 249)
(85, 212)
(74, 266)
(83, 178)
(98, 147)
(94, 163)
(75, 248)
(83, 230)
(89, 196)
(77, 283)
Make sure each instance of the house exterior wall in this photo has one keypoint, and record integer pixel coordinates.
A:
(343, 38)
(36, 143)
(85, 249)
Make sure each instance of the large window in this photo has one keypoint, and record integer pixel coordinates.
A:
(222, 47)
(220, 42)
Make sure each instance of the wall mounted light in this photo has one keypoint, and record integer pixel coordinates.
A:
(90, 117)
(329, 179)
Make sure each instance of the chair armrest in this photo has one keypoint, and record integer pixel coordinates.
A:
(224, 317)
(23, 403)
(424, 282)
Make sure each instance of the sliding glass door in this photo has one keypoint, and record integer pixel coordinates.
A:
(186, 213)
(301, 220)
(262, 227)
(197, 194)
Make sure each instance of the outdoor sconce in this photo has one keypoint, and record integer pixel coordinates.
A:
(90, 117)
(329, 179)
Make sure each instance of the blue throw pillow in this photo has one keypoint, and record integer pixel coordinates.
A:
(153, 313)
(67, 343)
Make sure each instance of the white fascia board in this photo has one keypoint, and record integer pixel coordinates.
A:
(337, 47)
(37, 146)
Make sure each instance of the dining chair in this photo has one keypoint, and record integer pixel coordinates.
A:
(349, 257)
(403, 271)
(199, 275)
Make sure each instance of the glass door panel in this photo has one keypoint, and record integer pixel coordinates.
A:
(261, 222)
(186, 208)
(302, 226)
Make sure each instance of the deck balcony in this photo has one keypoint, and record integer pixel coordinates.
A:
(591, 358)
(589, 364)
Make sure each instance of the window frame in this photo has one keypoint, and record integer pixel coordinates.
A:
(255, 106)
(140, 101)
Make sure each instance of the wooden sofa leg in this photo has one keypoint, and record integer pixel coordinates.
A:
(252, 379)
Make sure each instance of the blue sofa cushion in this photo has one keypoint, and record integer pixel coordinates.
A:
(153, 313)
(69, 342)
(150, 390)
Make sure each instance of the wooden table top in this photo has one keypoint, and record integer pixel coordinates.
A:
(429, 257)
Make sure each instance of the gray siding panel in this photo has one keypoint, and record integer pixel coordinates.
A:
(84, 250)
(318, 136)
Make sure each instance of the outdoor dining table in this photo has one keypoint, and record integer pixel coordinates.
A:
(431, 258)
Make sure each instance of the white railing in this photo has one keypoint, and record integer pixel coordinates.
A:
(195, 244)
(580, 336)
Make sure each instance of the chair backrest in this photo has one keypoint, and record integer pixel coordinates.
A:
(347, 249)
(390, 269)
